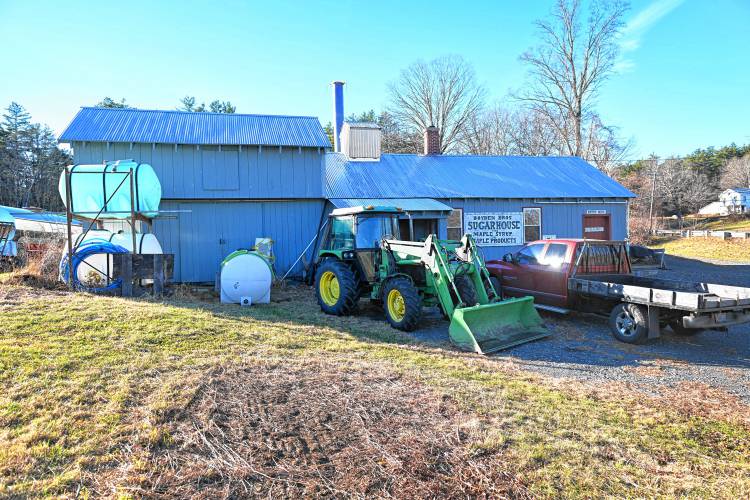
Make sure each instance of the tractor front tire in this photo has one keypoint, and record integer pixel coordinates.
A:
(402, 304)
(336, 288)
(496, 285)
(466, 290)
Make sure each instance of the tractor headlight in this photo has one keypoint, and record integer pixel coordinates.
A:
(348, 255)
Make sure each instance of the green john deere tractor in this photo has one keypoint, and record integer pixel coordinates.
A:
(360, 255)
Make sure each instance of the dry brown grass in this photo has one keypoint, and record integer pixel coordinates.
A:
(316, 430)
(38, 269)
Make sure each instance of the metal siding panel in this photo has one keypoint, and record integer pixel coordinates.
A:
(195, 235)
(176, 127)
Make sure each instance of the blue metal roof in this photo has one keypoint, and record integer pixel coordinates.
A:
(181, 127)
(26, 214)
(406, 204)
(449, 176)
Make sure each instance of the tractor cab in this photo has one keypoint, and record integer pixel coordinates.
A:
(355, 234)
(361, 228)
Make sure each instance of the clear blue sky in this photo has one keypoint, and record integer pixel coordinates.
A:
(684, 79)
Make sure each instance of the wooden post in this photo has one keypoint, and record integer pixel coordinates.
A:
(69, 220)
(158, 275)
(132, 210)
(127, 275)
(653, 192)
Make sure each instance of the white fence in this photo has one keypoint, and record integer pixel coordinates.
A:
(695, 233)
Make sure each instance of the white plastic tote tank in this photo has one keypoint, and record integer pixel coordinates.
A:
(246, 278)
(93, 185)
(95, 268)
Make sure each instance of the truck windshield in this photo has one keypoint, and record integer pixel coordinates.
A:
(371, 229)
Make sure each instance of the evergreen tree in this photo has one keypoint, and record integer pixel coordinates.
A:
(13, 165)
(108, 102)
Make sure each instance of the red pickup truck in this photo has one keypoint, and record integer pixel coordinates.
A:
(596, 276)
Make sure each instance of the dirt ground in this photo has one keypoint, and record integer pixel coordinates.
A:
(581, 348)
(317, 431)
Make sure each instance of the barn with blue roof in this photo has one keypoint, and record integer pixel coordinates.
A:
(228, 179)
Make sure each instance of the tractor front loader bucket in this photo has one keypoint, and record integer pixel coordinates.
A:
(489, 328)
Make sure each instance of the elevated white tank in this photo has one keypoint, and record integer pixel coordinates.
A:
(94, 185)
(246, 278)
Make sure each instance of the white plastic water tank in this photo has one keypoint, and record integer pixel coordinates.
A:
(246, 278)
(95, 268)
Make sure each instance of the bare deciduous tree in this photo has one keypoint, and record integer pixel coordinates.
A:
(443, 92)
(570, 65)
(736, 173)
(603, 148)
(501, 131)
(681, 189)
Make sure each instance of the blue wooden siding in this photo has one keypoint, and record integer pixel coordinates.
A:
(202, 233)
(564, 220)
(192, 172)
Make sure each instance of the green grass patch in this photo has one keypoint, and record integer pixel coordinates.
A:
(76, 372)
(733, 250)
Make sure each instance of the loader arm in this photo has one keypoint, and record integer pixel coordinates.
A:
(484, 328)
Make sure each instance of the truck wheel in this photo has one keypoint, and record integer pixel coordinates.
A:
(336, 288)
(466, 290)
(403, 307)
(628, 323)
(679, 329)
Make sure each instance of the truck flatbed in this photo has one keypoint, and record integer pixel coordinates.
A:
(686, 296)
(597, 276)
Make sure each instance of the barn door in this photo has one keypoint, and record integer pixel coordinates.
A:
(596, 227)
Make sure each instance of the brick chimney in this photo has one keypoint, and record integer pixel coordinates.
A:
(431, 140)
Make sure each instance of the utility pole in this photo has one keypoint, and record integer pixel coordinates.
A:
(654, 168)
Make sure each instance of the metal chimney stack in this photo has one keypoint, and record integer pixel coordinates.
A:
(338, 113)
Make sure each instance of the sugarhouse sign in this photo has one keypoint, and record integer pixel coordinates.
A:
(495, 229)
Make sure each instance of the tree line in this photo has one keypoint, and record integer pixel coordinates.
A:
(30, 161)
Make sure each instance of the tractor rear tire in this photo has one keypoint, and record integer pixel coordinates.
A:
(402, 304)
(466, 290)
(336, 288)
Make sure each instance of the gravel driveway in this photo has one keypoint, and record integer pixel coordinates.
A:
(582, 348)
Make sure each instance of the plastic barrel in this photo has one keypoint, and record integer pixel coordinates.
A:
(95, 268)
(246, 275)
(95, 188)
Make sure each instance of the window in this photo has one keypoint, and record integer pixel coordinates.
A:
(456, 224)
(530, 254)
(532, 224)
(370, 230)
(341, 236)
(555, 254)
